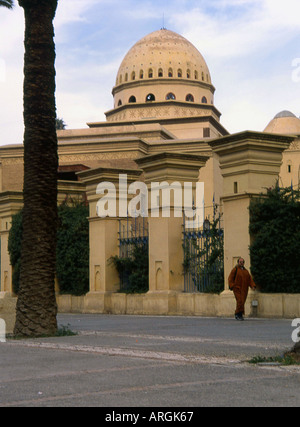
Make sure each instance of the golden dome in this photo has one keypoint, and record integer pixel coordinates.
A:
(285, 123)
(163, 76)
(163, 54)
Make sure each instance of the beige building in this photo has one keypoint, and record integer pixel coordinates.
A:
(164, 126)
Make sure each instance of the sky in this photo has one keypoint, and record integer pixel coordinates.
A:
(252, 48)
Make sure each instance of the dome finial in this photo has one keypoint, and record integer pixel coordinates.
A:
(163, 27)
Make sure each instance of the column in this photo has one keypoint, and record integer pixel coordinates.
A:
(163, 172)
(103, 232)
(250, 163)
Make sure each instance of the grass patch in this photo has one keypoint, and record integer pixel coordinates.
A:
(62, 331)
(65, 331)
(285, 360)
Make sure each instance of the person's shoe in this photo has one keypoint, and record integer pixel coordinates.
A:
(239, 316)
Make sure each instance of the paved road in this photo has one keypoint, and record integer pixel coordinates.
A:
(141, 361)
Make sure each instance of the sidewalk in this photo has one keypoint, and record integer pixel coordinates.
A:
(141, 361)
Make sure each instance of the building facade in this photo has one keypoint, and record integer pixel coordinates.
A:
(164, 125)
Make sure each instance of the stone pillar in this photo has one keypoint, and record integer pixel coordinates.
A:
(165, 233)
(250, 163)
(104, 279)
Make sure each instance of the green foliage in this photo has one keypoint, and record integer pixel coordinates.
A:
(14, 248)
(134, 270)
(275, 235)
(72, 260)
(9, 4)
(72, 264)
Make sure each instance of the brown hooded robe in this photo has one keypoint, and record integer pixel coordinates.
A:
(239, 281)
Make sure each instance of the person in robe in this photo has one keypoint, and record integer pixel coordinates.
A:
(240, 280)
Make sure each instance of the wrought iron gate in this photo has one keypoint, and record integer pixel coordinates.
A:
(133, 243)
(204, 256)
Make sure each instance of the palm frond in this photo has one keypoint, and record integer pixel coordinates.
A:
(9, 4)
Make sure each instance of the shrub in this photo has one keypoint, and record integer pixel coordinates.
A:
(134, 270)
(275, 235)
(72, 263)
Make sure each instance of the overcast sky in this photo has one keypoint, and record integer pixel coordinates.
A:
(252, 48)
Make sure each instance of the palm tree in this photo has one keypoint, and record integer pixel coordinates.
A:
(36, 306)
(7, 3)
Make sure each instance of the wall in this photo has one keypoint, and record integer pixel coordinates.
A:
(182, 304)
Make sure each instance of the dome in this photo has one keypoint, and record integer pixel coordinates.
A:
(163, 54)
(285, 123)
(163, 67)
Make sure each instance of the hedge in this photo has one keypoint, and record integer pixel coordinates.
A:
(275, 236)
(72, 261)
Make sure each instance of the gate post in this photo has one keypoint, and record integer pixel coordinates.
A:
(103, 236)
(165, 233)
(250, 163)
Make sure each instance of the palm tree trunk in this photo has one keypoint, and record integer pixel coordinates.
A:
(36, 306)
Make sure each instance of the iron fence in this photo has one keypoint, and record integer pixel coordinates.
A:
(204, 256)
(133, 247)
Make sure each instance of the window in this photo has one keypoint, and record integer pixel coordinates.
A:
(119, 103)
(170, 96)
(188, 74)
(170, 72)
(206, 133)
(289, 168)
(160, 73)
(150, 97)
(150, 73)
(189, 98)
(141, 74)
(235, 187)
(132, 99)
(179, 73)
(202, 76)
(204, 100)
(126, 77)
(133, 76)
(196, 75)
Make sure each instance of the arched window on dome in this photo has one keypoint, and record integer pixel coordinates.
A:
(133, 75)
(207, 78)
(119, 103)
(190, 98)
(121, 78)
(170, 96)
(196, 75)
(150, 97)
(141, 74)
(204, 100)
(170, 72)
(202, 76)
(150, 73)
(160, 72)
(132, 99)
(126, 77)
(179, 73)
(188, 74)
